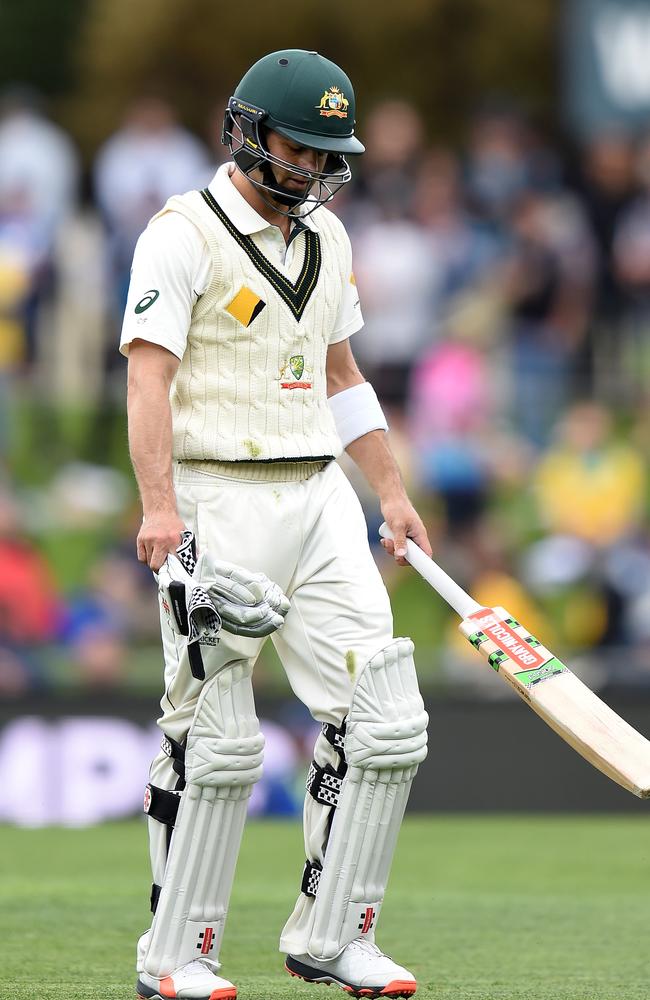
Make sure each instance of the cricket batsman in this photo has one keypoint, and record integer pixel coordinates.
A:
(242, 392)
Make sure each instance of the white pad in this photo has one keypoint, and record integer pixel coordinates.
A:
(384, 743)
(223, 760)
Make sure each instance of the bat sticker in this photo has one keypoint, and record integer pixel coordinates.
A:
(506, 639)
(543, 673)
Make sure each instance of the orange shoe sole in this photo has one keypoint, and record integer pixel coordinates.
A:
(228, 993)
(392, 990)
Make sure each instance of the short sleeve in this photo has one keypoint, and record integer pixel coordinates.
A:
(349, 319)
(168, 275)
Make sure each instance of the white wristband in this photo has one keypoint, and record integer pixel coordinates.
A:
(356, 412)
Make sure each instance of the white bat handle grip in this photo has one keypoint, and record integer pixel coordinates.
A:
(455, 596)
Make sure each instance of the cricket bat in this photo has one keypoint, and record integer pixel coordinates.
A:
(544, 682)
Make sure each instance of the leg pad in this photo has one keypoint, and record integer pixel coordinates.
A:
(385, 740)
(223, 759)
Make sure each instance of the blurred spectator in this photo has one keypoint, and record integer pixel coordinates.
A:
(30, 609)
(607, 190)
(115, 610)
(591, 490)
(464, 248)
(504, 159)
(14, 291)
(39, 175)
(39, 167)
(393, 257)
(149, 159)
(590, 484)
(450, 406)
(495, 578)
(398, 277)
(547, 281)
(631, 253)
(394, 136)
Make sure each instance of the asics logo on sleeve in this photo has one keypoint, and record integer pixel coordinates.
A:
(147, 300)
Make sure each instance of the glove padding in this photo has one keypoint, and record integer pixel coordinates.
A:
(248, 603)
(201, 596)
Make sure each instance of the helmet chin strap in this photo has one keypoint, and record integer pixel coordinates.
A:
(289, 198)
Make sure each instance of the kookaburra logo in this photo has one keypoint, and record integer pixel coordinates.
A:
(333, 103)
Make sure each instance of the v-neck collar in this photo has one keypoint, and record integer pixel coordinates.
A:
(296, 294)
(240, 212)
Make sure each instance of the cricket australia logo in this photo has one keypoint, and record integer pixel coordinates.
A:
(333, 103)
(295, 375)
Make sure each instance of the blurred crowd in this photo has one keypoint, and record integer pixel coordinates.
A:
(505, 287)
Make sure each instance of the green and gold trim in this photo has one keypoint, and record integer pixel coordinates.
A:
(295, 296)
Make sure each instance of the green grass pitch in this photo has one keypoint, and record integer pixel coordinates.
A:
(481, 908)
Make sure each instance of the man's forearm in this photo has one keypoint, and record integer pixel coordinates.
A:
(372, 454)
(150, 443)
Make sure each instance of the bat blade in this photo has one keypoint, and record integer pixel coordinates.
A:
(567, 705)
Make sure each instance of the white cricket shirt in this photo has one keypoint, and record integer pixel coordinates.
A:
(250, 318)
(172, 254)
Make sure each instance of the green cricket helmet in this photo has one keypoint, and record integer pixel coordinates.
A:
(305, 98)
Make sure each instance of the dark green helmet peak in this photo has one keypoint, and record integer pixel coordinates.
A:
(305, 98)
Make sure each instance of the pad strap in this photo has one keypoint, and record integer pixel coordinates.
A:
(177, 753)
(161, 804)
(311, 877)
(335, 736)
(196, 661)
(324, 783)
(155, 896)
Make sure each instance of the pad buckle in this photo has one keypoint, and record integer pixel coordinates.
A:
(311, 877)
(324, 784)
(161, 804)
(334, 735)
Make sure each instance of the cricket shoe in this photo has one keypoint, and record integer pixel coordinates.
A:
(194, 981)
(361, 969)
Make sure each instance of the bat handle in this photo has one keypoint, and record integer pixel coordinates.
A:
(435, 576)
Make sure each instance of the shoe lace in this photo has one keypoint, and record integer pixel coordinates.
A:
(369, 947)
(200, 965)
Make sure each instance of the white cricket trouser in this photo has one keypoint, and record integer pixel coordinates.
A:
(308, 535)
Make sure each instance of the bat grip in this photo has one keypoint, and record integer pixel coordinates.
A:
(435, 576)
